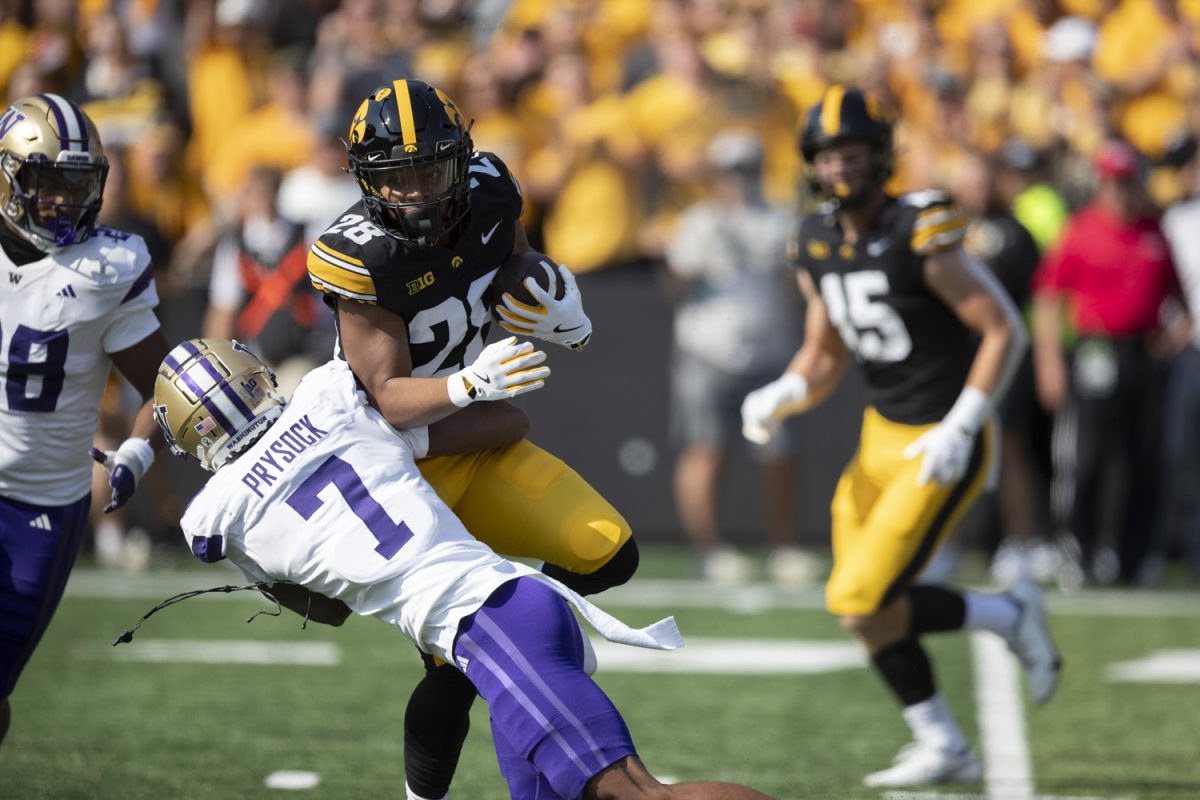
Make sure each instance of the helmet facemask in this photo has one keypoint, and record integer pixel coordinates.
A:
(416, 199)
(869, 176)
(53, 204)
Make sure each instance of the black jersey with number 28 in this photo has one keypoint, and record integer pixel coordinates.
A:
(441, 292)
(914, 351)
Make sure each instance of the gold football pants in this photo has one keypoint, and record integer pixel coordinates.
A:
(885, 526)
(523, 502)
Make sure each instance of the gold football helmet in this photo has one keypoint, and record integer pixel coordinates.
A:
(52, 171)
(213, 398)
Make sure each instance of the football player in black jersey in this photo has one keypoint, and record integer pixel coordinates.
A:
(407, 271)
(888, 284)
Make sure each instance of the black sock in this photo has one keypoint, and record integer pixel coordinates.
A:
(615, 571)
(435, 726)
(906, 670)
(936, 609)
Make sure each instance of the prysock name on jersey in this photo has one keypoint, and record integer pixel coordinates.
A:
(286, 448)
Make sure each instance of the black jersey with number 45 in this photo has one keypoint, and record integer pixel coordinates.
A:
(441, 292)
(914, 351)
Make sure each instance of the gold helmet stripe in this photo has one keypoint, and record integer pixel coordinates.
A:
(408, 127)
(831, 110)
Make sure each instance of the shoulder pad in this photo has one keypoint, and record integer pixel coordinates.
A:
(333, 272)
(489, 174)
(108, 258)
(939, 224)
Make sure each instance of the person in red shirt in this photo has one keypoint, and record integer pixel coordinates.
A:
(1110, 273)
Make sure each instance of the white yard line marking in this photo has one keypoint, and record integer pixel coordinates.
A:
(751, 599)
(292, 779)
(1161, 666)
(214, 651)
(708, 655)
(1007, 773)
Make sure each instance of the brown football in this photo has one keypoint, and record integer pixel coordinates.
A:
(511, 277)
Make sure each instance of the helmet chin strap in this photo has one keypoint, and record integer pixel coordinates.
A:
(426, 237)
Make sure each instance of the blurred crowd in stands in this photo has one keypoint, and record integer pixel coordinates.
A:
(222, 120)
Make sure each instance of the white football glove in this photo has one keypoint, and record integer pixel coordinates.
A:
(765, 408)
(947, 446)
(503, 370)
(558, 321)
(125, 466)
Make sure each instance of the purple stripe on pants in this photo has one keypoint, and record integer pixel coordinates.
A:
(34, 566)
(523, 653)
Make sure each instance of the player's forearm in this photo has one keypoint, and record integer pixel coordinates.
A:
(308, 604)
(479, 426)
(144, 426)
(412, 402)
(997, 359)
(821, 369)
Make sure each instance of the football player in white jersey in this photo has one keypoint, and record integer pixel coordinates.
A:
(75, 299)
(320, 500)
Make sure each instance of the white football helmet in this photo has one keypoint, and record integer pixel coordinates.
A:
(52, 171)
(213, 398)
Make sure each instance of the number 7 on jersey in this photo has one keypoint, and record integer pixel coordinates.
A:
(305, 501)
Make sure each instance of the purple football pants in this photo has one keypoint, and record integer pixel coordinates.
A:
(553, 727)
(38, 545)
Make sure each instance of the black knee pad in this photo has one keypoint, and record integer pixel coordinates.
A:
(936, 609)
(616, 571)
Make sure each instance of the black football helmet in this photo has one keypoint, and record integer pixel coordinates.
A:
(843, 115)
(408, 148)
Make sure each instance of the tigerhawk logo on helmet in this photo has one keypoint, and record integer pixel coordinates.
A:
(409, 148)
(52, 172)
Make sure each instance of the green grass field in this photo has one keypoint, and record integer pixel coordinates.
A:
(92, 721)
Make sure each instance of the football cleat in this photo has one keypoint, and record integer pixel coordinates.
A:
(725, 566)
(920, 764)
(1031, 643)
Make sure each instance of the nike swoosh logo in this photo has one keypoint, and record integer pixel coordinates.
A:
(482, 378)
(561, 329)
(485, 238)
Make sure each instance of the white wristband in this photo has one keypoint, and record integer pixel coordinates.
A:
(137, 450)
(456, 387)
(970, 410)
(795, 388)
